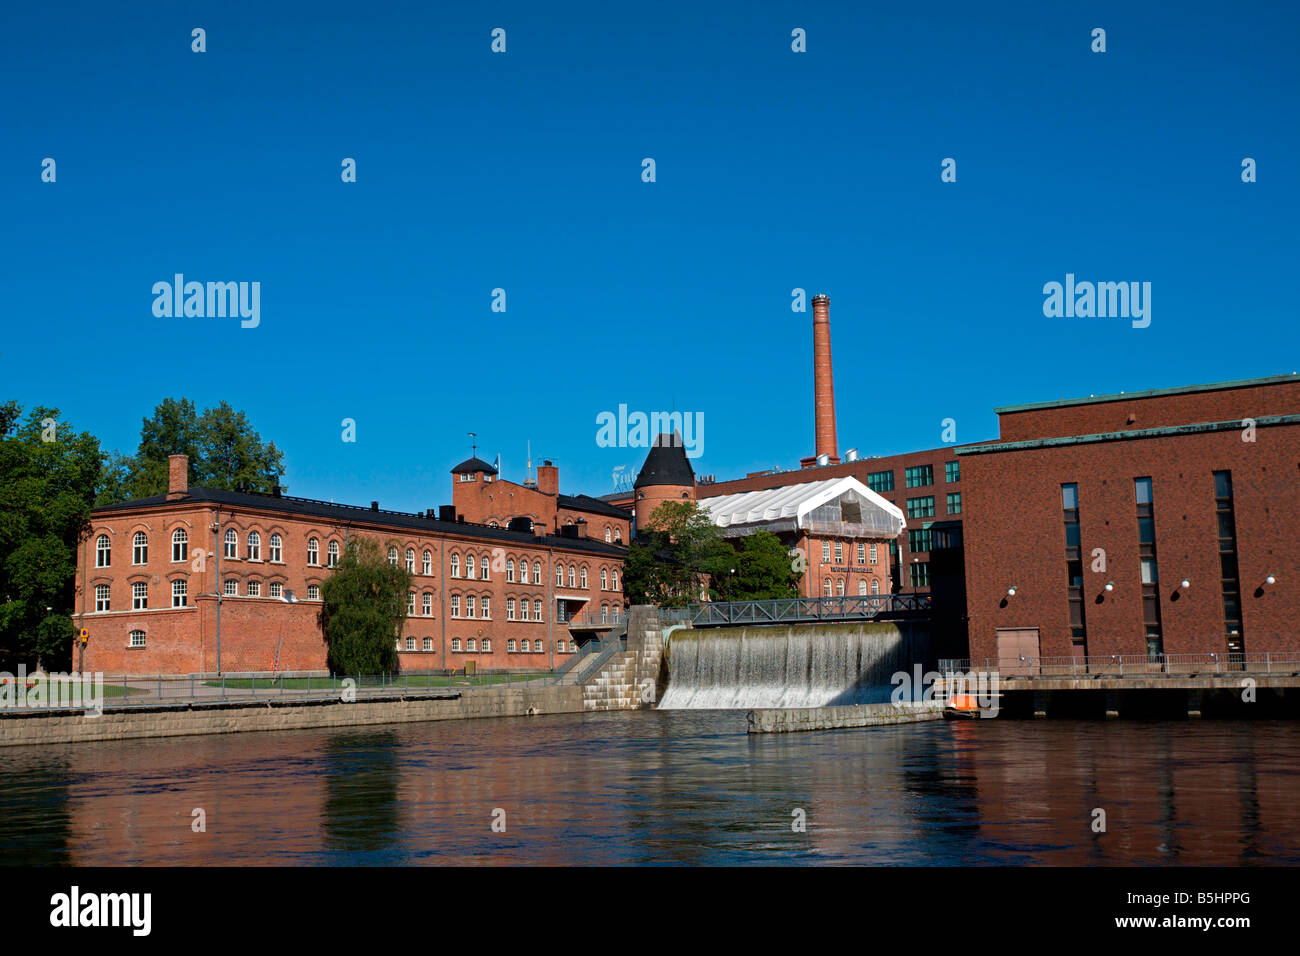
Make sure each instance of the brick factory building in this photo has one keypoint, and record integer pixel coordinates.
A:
(160, 578)
(1147, 523)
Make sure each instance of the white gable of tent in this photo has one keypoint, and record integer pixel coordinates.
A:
(837, 506)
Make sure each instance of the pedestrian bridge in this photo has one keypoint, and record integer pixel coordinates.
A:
(879, 607)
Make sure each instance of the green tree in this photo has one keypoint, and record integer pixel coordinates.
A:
(224, 450)
(675, 557)
(757, 568)
(363, 607)
(48, 479)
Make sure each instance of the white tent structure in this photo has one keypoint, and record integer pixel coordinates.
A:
(843, 507)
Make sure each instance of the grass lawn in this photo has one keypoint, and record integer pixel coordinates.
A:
(109, 689)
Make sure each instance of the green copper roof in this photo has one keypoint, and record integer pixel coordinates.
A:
(1151, 393)
(1263, 421)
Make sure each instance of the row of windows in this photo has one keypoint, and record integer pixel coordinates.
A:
(473, 645)
(838, 586)
(917, 476)
(923, 507)
(180, 593)
(839, 552)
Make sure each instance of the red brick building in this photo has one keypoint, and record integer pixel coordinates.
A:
(1141, 523)
(161, 579)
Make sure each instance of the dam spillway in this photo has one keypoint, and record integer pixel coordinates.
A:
(795, 665)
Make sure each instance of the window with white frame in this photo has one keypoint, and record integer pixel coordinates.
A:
(470, 601)
(426, 567)
(826, 587)
(232, 589)
(103, 553)
(392, 556)
(276, 589)
(140, 548)
(618, 535)
(455, 565)
(277, 548)
(313, 592)
(510, 570)
(101, 597)
(875, 586)
(523, 610)
(862, 586)
(333, 554)
(180, 592)
(254, 588)
(604, 580)
(862, 553)
(487, 606)
(614, 581)
(471, 644)
(139, 596)
(231, 544)
(137, 639)
(180, 545)
(510, 609)
(560, 646)
(826, 550)
(609, 534)
(604, 614)
(427, 605)
(510, 646)
(455, 644)
(428, 644)
(582, 578)
(254, 546)
(410, 643)
(537, 610)
(538, 647)
(537, 572)
(839, 552)
(469, 566)
(455, 605)
(873, 553)
(570, 575)
(487, 574)
(313, 552)
(487, 645)
(839, 587)
(410, 603)
(559, 575)
(410, 560)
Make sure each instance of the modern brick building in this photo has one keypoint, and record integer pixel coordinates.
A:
(1148, 523)
(161, 580)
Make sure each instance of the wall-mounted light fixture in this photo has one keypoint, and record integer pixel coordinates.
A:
(1271, 579)
(1110, 585)
(1185, 584)
(1011, 591)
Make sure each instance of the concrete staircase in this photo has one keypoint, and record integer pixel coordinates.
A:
(614, 686)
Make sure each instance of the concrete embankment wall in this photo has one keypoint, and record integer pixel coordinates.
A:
(784, 720)
(28, 727)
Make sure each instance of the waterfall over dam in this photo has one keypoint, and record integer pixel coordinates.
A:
(790, 665)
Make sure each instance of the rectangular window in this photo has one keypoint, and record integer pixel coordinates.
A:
(276, 589)
(826, 550)
(254, 589)
(180, 592)
(920, 574)
(873, 552)
(954, 502)
(952, 472)
(139, 596)
(1230, 583)
(881, 481)
(920, 476)
(920, 540)
(455, 605)
(920, 507)
(137, 638)
(101, 597)
(1074, 568)
(862, 553)
(839, 552)
(1147, 573)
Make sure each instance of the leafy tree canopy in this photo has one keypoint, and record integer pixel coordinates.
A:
(363, 607)
(48, 477)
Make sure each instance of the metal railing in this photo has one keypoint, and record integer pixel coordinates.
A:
(781, 610)
(589, 620)
(601, 659)
(1132, 665)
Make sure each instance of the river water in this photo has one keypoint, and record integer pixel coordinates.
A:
(665, 787)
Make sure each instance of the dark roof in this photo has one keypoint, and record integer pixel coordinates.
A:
(358, 515)
(666, 464)
(592, 505)
(470, 465)
(1151, 393)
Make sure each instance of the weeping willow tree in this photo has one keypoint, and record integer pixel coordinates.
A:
(363, 607)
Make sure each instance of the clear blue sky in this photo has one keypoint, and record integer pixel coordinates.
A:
(522, 171)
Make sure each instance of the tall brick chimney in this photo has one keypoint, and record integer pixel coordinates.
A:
(178, 476)
(548, 479)
(824, 379)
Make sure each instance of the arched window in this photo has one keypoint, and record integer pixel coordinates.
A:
(582, 581)
(232, 588)
(487, 606)
(410, 603)
(455, 644)
(570, 575)
(487, 576)
(180, 593)
(862, 586)
(140, 548)
(180, 545)
(313, 592)
(103, 553)
(559, 575)
(613, 580)
(469, 605)
(510, 646)
(334, 554)
(537, 572)
(455, 605)
(471, 645)
(276, 548)
(137, 638)
(510, 570)
(604, 614)
(254, 546)
(523, 645)
(428, 644)
(618, 534)
(139, 596)
(487, 645)
(523, 610)
(875, 586)
(537, 610)
(826, 587)
(392, 555)
(313, 552)
(455, 565)
(873, 554)
(101, 597)
(427, 566)
(428, 605)
(410, 560)
(254, 588)
(232, 544)
(604, 580)
(608, 533)
(839, 587)
(510, 609)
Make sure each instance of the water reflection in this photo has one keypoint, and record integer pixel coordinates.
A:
(681, 787)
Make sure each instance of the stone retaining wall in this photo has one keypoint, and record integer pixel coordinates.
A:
(774, 721)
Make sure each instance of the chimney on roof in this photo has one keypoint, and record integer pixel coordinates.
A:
(548, 478)
(374, 506)
(178, 477)
(824, 380)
